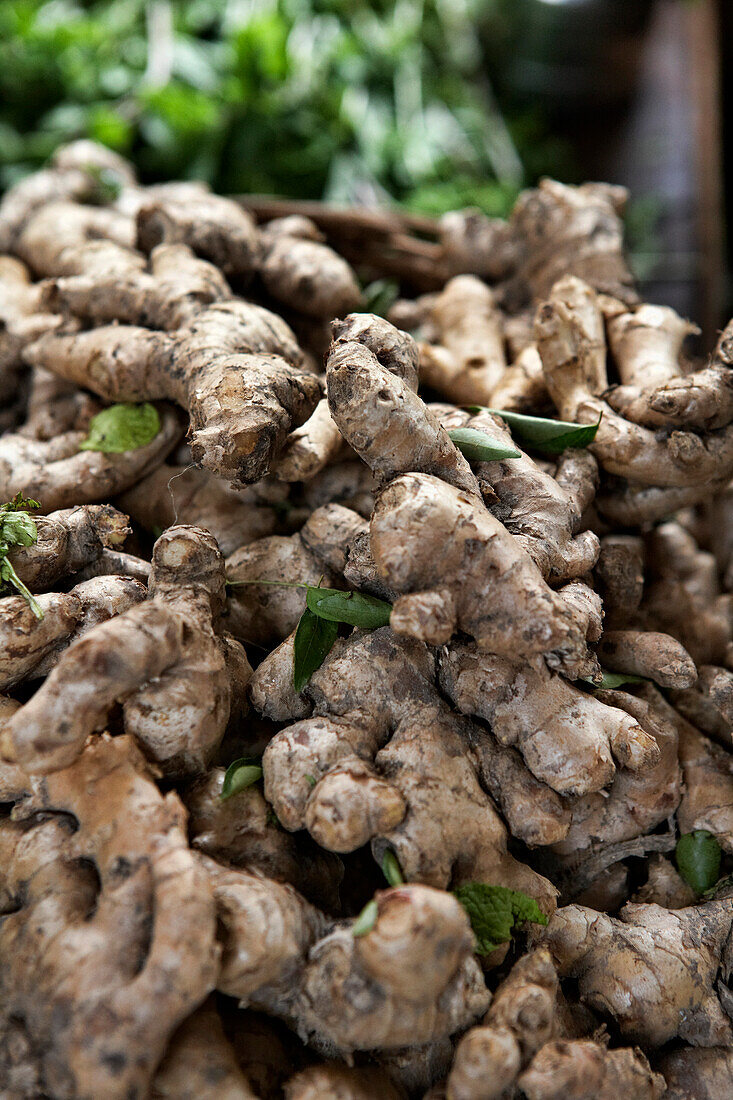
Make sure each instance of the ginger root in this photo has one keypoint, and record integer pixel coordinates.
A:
(144, 659)
(108, 940)
(192, 890)
(678, 953)
(389, 760)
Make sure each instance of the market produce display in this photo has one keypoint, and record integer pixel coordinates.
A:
(366, 727)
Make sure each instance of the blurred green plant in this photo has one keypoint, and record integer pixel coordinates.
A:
(312, 98)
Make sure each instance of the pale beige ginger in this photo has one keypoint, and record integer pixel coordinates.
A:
(101, 598)
(310, 448)
(371, 379)
(78, 172)
(563, 230)
(25, 639)
(264, 614)
(332, 1081)
(637, 800)
(302, 272)
(707, 798)
(294, 265)
(108, 941)
(58, 475)
(525, 1013)
(32, 646)
(410, 979)
(619, 576)
(271, 688)
(183, 494)
(522, 387)
(442, 579)
(55, 406)
(235, 367)
(582, 1069)
(702, 1073)
(646, 344)
(67, 541)
(708, 704)
(533, 811)
(435, 544)
(628, 504)
(700, 399)
(568, 738)
(707, 773)
(682, 595)
(214, 227)
(653, 971)
(200, 1063)
(66, 238)
(168, 296)
(115, 563)
(477, 245)
(649, 654)
(468, 359)
(414, 315)
(664, 886)
(383, 758)
(164, 660)
(348, 482)
(240, 830)
(22, 320)
(571, 341)
(542, 509)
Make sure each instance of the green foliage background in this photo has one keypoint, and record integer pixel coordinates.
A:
(311, 98)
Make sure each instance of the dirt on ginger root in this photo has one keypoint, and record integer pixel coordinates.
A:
(416, 838)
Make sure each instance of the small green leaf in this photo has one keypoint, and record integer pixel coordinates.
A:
(310, 780)
(494, 911)
(122, 428)
(17, 529)
(379, 297)
(480, 447)
(698, 858)
(19, 503)
(366, 919)
(391, 869)
(550, 436)
(354, 608)
(612, 680)
(314, 638)
(239, 775)
(108, 183)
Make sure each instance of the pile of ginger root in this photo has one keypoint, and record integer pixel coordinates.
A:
(222, 878)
